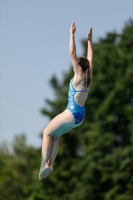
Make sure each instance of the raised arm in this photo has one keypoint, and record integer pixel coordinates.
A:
(72, 49)
(90, 50)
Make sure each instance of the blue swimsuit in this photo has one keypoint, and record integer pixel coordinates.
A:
(77, 111)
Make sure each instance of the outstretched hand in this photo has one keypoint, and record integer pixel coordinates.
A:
(73, 28)
(89, 36)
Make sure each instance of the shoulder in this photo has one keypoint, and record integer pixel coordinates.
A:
(78, 79)
(75, 64)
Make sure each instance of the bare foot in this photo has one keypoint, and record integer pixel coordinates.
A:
(48, 171)
(43, 170)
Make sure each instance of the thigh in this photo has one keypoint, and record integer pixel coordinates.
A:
(62, 122)
(66, 129)
(63, 131)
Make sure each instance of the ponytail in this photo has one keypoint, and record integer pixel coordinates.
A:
(88, 78)
(85, 65)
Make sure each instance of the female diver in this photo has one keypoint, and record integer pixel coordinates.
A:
(73, 115)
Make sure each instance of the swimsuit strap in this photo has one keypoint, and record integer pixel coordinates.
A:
(85, 90)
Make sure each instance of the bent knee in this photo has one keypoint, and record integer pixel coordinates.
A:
(46, 132)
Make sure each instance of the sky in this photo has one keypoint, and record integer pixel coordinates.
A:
(34, 41)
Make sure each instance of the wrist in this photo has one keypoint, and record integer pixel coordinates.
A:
(72, 34)
(89, 39)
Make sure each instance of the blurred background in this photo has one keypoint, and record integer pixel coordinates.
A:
(95, 160)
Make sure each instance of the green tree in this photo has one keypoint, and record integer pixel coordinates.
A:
(19, 170)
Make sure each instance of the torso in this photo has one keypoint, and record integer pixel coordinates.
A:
(79, 84)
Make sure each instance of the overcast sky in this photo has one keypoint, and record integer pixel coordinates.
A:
(34, 40)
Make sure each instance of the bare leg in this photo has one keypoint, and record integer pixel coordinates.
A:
(54, 151)
(61, 124)
(46, 147)
(55, 148)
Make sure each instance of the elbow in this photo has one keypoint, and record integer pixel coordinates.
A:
(90, 57)
(71, 53)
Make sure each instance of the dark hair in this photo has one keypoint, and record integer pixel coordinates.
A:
(85, 65)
